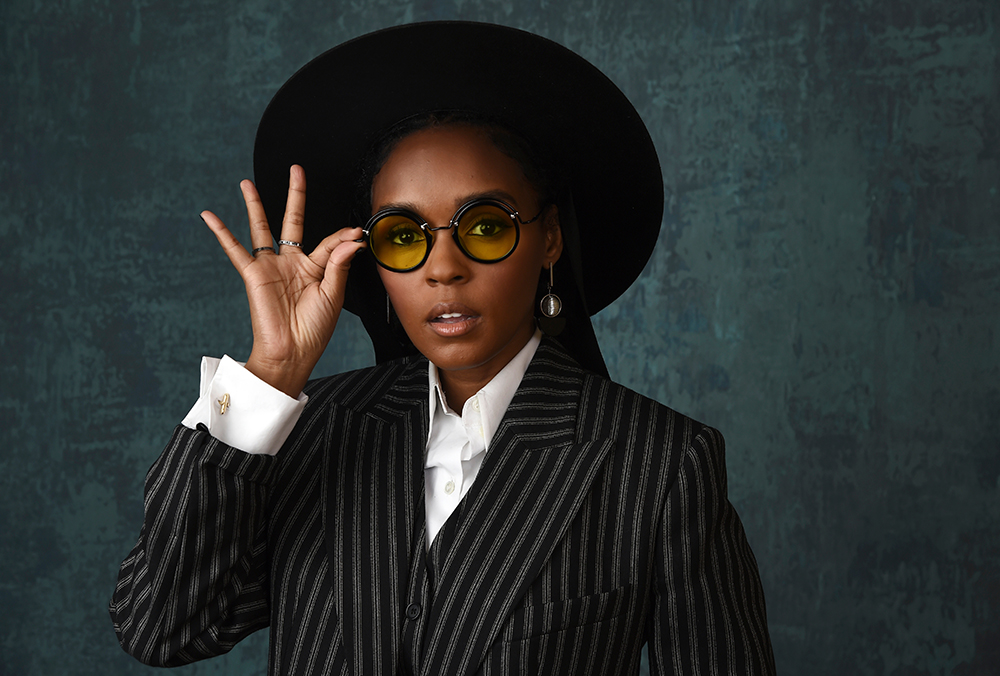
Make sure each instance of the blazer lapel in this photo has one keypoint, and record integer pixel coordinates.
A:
(374, 512)
(536, 475)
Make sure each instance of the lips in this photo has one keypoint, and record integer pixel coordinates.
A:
(452, 319)
(450, 313)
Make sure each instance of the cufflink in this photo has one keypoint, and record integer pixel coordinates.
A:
(224, 404)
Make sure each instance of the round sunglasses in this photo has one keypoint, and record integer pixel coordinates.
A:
(486, 230)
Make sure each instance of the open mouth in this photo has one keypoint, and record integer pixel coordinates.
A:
(451, 318)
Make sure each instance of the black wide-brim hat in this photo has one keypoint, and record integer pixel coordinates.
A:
(328, 116)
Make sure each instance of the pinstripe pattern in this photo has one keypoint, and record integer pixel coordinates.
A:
(599, 521)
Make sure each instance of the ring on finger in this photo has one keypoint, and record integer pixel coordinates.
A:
(261, 248)
(288, 242)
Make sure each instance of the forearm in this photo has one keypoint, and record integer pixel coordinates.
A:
(195, 583)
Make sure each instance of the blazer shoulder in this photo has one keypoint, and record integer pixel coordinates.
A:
(609, 408)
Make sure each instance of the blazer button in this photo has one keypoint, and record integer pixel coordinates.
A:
(413, 611)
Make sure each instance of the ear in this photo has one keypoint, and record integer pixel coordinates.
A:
(553, 236)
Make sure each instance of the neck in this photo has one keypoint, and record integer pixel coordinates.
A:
(461, 384)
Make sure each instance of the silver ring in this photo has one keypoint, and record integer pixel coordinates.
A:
(261, 248)
(285, 242)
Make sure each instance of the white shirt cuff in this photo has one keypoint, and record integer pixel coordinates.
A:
(241, 410)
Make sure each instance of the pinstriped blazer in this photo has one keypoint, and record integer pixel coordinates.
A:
(599, 521)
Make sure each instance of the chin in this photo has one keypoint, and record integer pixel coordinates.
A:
(454, 357)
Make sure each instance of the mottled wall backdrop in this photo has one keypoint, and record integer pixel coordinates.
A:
(826, 290)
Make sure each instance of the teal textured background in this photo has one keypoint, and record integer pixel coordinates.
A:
(826, 290)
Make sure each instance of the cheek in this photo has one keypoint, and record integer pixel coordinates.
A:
(516, 288)
(395, 289)
(409, 305)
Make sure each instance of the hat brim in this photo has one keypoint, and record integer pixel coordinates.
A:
(329, 114)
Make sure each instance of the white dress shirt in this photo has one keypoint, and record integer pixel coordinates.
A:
(456, 444)
(246, 413)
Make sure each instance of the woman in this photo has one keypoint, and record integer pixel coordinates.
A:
(484, 500)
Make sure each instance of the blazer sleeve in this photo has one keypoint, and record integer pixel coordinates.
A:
(708, 615)
(196, 581)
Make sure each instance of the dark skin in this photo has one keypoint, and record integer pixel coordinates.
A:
(468, 318)
(434, 172)
(295, 299)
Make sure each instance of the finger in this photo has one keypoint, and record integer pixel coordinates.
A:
(327, 247)
(260, 234)
(237, 255)
(335, 253)
(292, 226)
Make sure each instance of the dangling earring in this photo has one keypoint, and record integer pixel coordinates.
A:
(551, 304)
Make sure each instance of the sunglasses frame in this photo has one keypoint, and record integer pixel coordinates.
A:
(426, 227)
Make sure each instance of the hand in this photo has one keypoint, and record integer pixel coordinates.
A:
(295, 299)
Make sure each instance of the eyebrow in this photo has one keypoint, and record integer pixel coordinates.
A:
(497, 194)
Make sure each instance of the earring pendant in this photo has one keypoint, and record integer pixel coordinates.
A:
(551, 304)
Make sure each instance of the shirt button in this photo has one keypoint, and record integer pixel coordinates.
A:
(413, 611)
(449, 487)
(475, 404)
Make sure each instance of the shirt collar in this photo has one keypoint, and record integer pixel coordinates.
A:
(493, 399)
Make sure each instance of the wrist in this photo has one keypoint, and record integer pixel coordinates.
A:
(287, 376)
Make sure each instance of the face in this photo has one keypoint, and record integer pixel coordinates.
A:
(467, 318)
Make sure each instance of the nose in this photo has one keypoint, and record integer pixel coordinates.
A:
(446, 264)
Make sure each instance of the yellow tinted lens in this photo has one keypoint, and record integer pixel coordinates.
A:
(487, 232)
(398, 242)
